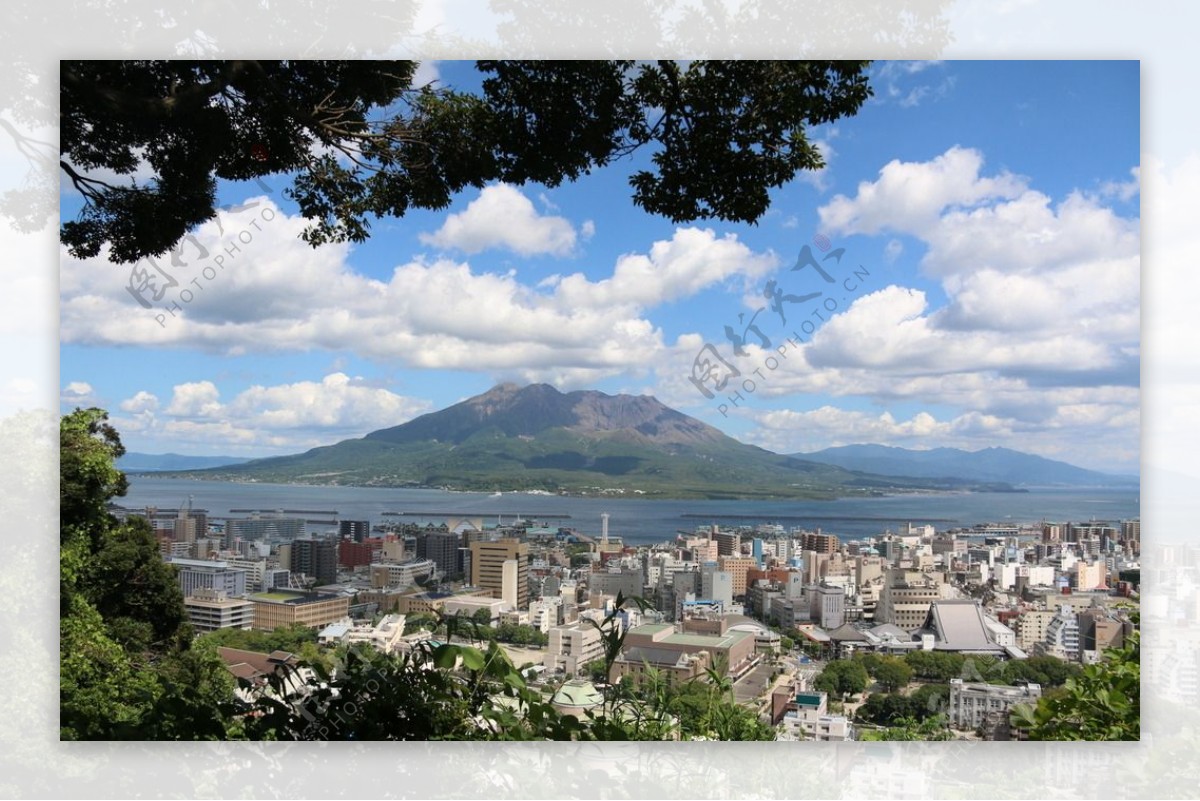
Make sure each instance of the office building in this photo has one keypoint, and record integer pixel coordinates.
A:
(355, 530)
(488, 570)
(272, 529)
(210, 610)
(286, 608)
(315, 558)
(197, 574)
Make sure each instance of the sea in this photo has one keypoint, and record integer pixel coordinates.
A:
(636, 521)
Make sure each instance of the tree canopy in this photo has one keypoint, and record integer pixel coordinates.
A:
(125, 667)
(1101, 702)
(360, 142)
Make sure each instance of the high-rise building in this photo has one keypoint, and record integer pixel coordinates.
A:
(821, 543)
(357, 530)
(827, 606)
(737, 567)
(488, 571)
(442, 547)
(729, 543)
(315, 558)
(716, 585)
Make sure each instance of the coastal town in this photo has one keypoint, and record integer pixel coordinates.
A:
(919, 633)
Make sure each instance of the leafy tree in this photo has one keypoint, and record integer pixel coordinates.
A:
(1102, 703)
(931, 728)
(892, 672)
(596, 670)
(929, 699)
(124, 662)
(843, 677)
(787, 644)
(1047, 671)
(935, 665)
(361, 143)
(885, 708)
(445, 692)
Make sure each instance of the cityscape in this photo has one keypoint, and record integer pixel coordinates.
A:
(795, 323)
(919, 633)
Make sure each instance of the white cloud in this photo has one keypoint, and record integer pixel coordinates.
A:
(692, 260)
(277, 294)
(77, 393)
(910, 196)
(427, 73)
(1090, 435)
(141, 402)
(503, 217)
(283, 417)
(1038, 336)
(893, 250)
(195, 399)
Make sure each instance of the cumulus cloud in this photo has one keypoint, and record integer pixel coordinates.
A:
(1038, 333)
(280, 418)
(195, 399)
(692, 260)
(910, 196)
(141, 402)
(502, 217)
(276, 294)
(1069, 435)
(77, 393)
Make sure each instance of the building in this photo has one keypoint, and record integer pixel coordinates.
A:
(404, 574)
(959, 626)
(442, 548)
(670, 665)
(354, 530)
(210, 610)
(627, 581)
(352, 554)
(1062, 635)
(489, 570)
(827, 605)
(732, 652)
(1031, 627)
(468, 605)
(821, 543)
(195, 574)
(576, 698)
(316, 559)
(272, 529)
(572, 647)
(805, 716)
(974, 705)
(737, 567)
(906, 597)
(289, 608)
(1100, 629)
(716, 585)
(385, 636)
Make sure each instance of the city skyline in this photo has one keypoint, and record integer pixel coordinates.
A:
(996, 297)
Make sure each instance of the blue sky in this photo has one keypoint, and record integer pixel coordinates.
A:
(988, 292)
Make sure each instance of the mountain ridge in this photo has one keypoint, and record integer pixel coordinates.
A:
(986, 464)
(514, 438)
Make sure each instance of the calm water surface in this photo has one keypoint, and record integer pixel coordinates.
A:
(643, 521)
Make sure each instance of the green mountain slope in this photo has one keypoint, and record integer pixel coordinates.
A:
(537, 438)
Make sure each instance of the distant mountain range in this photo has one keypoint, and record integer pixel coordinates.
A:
(536, 438)
(153, 462)
(989, 464)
